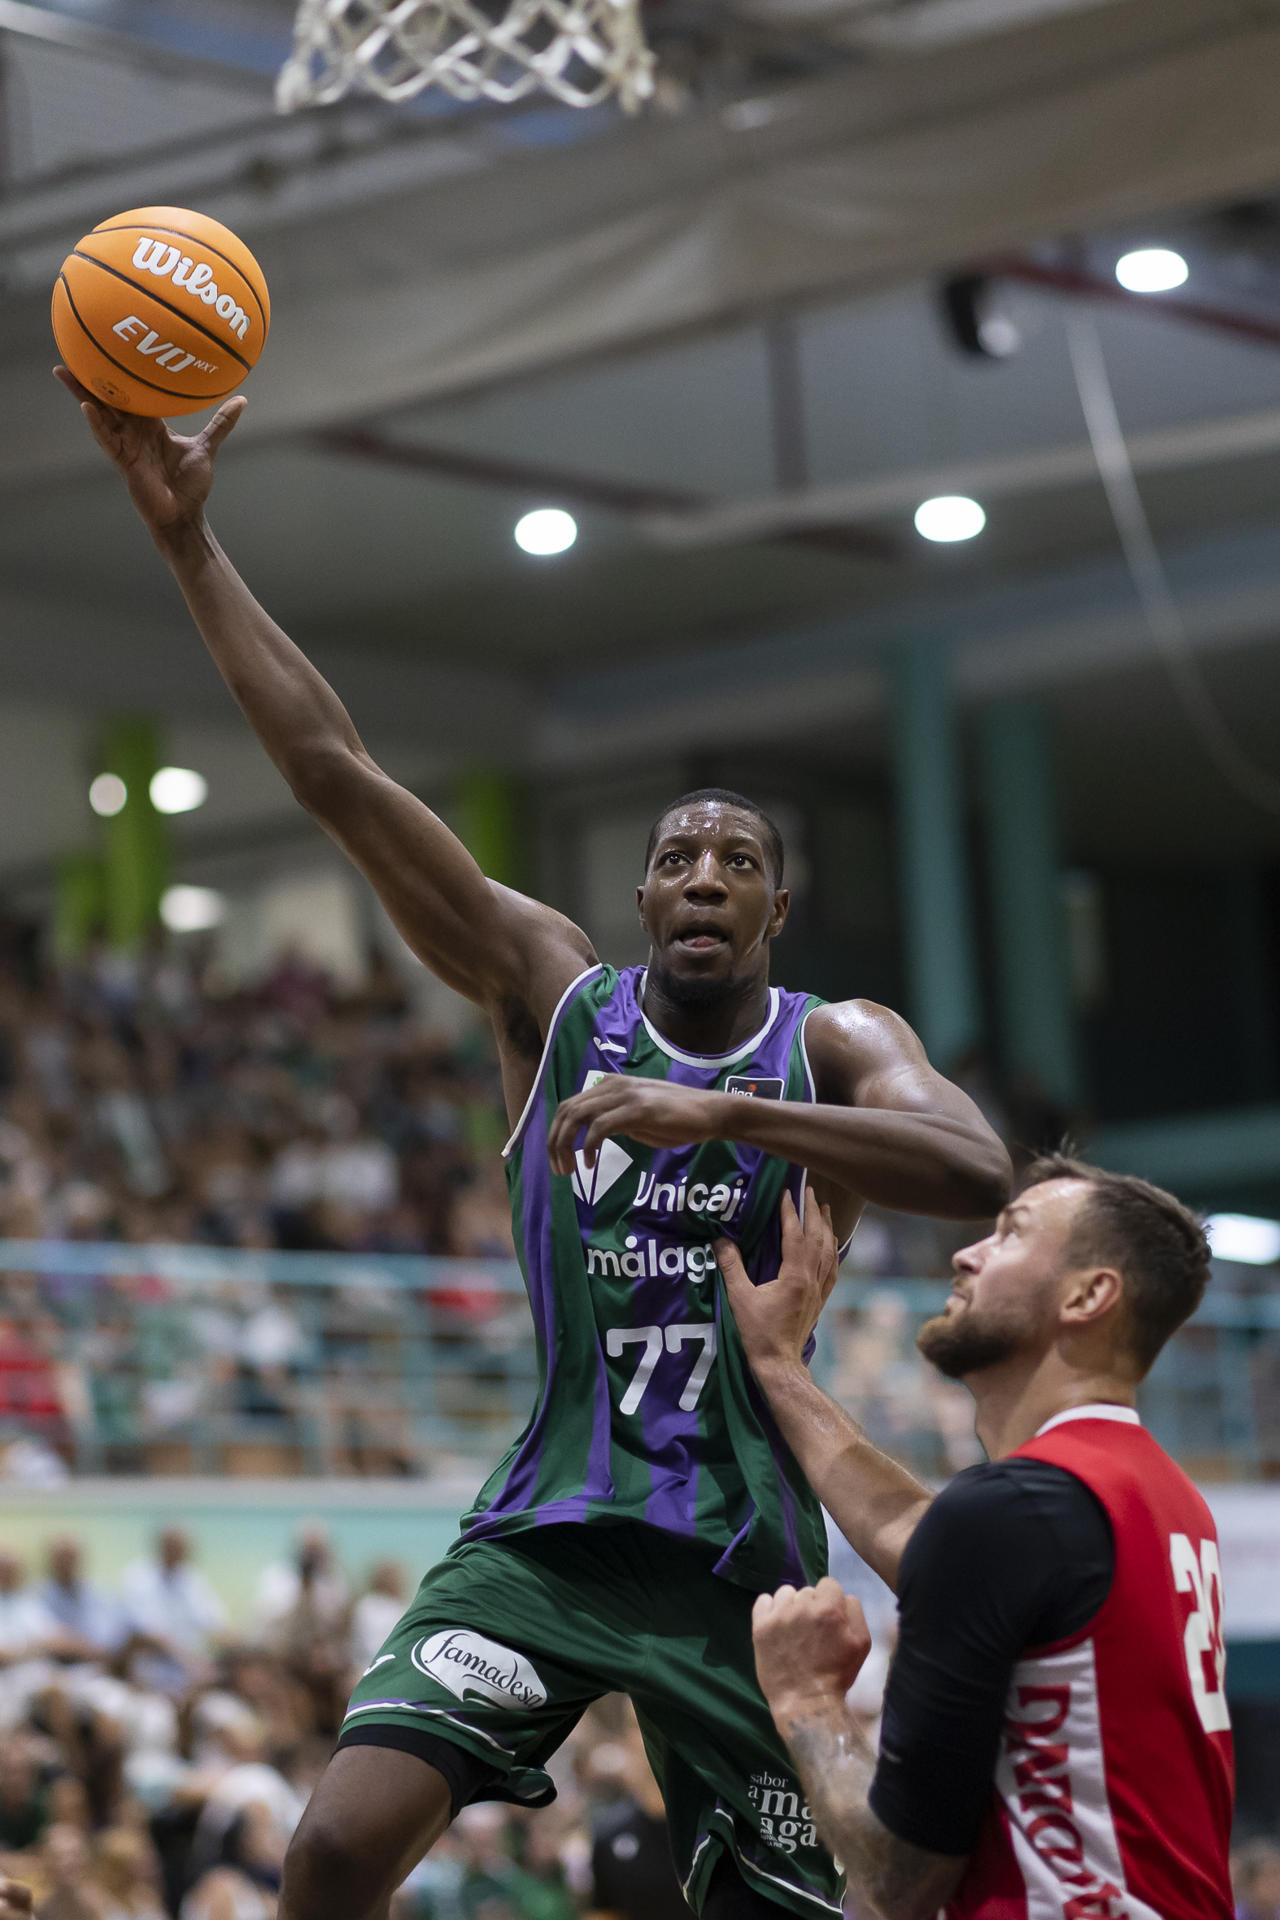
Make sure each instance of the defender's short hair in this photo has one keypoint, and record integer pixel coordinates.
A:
(1156, 1245)
(726, 798)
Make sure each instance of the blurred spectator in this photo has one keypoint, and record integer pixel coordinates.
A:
(28, 1377)
(71, 1894)
(127, 1876)
(25, 1809)
(307, 1595)
(1255, 1880)
(89, 1625)
(171, 1605)
(26, 1631)
(376, 1612)
(632, 1873)
(26, 1624)
(246, 1884)
(494, 1884)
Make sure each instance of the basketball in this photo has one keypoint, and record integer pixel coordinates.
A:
(160, 311)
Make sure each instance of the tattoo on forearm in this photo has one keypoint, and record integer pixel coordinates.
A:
(836, 1767)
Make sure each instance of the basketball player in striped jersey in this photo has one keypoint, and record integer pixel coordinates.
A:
(1055, 1741)
(620, 1543)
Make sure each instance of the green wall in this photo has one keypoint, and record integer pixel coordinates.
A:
(237, 1526)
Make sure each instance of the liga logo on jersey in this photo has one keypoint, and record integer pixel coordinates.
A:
(755, 1086)
(467, 1663)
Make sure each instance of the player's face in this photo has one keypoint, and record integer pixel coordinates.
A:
(1005, 1290)
(708, 903)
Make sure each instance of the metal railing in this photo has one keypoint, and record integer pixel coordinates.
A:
(125, 1359)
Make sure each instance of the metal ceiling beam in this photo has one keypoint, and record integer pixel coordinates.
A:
(1054, 632)
(153, 36)
(630, 497)
(1042, 470)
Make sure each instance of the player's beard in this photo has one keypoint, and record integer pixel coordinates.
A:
(964, 1344)
(684, 990)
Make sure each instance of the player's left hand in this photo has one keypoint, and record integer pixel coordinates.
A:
(776, 1318)
(651, 1111)
(810, 1646)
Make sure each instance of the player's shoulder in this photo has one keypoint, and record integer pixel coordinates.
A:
(860, 1035)
(535, 917)
(999, 1504)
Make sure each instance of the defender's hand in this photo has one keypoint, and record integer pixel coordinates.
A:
(776, 1318)
(651, 1111)
(168, 474)
(810, 1647)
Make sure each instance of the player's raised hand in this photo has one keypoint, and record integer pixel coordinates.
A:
(777, 1317)
(810, 1645)
(168, 474)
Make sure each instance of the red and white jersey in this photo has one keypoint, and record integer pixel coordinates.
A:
(1114, 1784)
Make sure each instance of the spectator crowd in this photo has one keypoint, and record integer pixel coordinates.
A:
(140, 1103)
(143, 1106)
(153, 1763)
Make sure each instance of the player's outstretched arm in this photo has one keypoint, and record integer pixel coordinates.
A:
(873, 1500)
(809, 1648)
(489, 943)
(886, 1127)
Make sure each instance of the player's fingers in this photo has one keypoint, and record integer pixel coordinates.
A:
(102, 427)
(831, 1269)
(562, 1132)
(792, 1232)
(67, 379)
(222, 422)
(732, 1271)
(761, 1612)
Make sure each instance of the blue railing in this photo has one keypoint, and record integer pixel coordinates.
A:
(179, 1359)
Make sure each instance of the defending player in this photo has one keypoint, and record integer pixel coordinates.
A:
(620, 1542)
(1055, 1739)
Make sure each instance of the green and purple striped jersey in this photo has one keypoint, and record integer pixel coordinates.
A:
(646, 1407)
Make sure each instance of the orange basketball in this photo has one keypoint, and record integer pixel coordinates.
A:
(160, 311)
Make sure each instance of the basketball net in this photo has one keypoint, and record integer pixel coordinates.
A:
(580, 51)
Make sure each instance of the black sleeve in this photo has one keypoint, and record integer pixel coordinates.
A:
(1011, 1555)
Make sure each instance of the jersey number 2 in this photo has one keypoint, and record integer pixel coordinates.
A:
(654, 1340)
(1200, 1575)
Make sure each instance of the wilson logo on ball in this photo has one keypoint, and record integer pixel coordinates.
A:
(168, 262)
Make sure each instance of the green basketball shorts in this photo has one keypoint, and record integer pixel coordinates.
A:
(508, 1642)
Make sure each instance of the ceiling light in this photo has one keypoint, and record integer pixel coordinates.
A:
(1152, 270)
(178, 790)
(546, 530)
(191, 909)
(107, 794)
(950, 517)
(1243, 1237)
